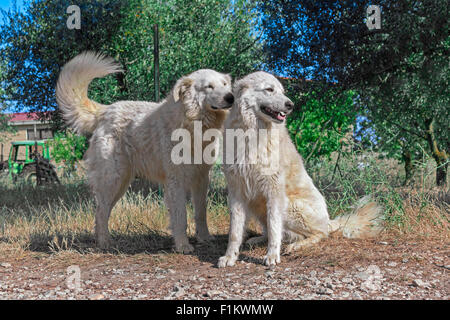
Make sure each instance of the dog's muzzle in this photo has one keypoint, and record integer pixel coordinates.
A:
(229, 100)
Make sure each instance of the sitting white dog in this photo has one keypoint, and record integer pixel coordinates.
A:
(282, 197)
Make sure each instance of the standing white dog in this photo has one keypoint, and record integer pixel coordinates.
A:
(283, 197)
(133, 138)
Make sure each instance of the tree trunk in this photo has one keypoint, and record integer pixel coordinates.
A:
(441, 175)
(440, 156)
(407, 159)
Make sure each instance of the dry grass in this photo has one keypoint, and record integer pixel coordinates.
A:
(58, 219)
(426, 215)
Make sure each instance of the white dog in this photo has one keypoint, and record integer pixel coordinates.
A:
(133, 138)
(283, 198)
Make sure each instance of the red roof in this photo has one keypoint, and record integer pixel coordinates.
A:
(23, 116)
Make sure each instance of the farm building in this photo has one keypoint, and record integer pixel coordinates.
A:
(27, 126)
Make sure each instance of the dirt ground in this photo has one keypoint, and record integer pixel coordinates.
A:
(337, 268)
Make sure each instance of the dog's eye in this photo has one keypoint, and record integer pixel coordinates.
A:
(269, 89)
(210, 86)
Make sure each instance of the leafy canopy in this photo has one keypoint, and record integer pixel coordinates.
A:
(196, 34)
(400, 72)
(321, 124)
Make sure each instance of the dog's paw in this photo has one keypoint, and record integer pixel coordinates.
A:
(184, 248)
(295, 246)
(271, 259)
(254, 241)
(226, 261)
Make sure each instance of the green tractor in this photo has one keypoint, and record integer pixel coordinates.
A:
(30, 161)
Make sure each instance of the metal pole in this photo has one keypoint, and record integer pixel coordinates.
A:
(36, 159)
(156, 73)
(156, 60)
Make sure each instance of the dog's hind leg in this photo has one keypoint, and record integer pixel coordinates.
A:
(102, 236)
(255, 241)
(109, 184)
(258, 240)
(175, 198)
(306, 222)
(304, 243)
(199, 194)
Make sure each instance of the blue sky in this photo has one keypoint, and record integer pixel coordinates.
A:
(6, 4)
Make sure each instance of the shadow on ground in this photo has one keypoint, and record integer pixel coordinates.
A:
(152, 243)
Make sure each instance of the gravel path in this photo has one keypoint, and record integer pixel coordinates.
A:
(335, 269)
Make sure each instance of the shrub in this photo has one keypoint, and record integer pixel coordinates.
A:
(68, 148)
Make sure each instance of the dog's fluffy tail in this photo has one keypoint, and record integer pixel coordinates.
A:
(72, 89)
(364, 221)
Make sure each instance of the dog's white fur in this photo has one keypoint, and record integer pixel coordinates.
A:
(285, 201)
(133, 138)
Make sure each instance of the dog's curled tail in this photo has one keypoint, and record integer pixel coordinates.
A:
(364, 221)
(77, 109)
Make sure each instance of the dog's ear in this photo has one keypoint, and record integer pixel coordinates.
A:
(184, 92)
(239, 87)
(181, 88)
(228, 78)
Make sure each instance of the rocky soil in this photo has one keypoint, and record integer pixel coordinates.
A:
(335, 269)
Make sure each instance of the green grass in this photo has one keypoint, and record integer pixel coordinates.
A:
(360, 174)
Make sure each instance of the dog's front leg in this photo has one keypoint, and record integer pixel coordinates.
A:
(199, 193)
(276, 208)
(175, 198)
(236, 233)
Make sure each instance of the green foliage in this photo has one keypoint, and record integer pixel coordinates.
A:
(319, 127)
(198, 34)
(36, 43)
(400, 71)
(330, 39)
(409, 110)
(216, 34)
(4, 126)
(360, 174)
(68, 148)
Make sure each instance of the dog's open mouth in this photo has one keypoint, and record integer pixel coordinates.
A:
(276, 115)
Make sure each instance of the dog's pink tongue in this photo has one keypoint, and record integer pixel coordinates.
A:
(280, 117)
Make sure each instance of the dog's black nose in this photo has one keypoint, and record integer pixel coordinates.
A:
(229, 98)
(289, 105)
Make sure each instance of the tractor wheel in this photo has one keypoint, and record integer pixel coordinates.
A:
(28, 174)
(46, 171)
(31, 178)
